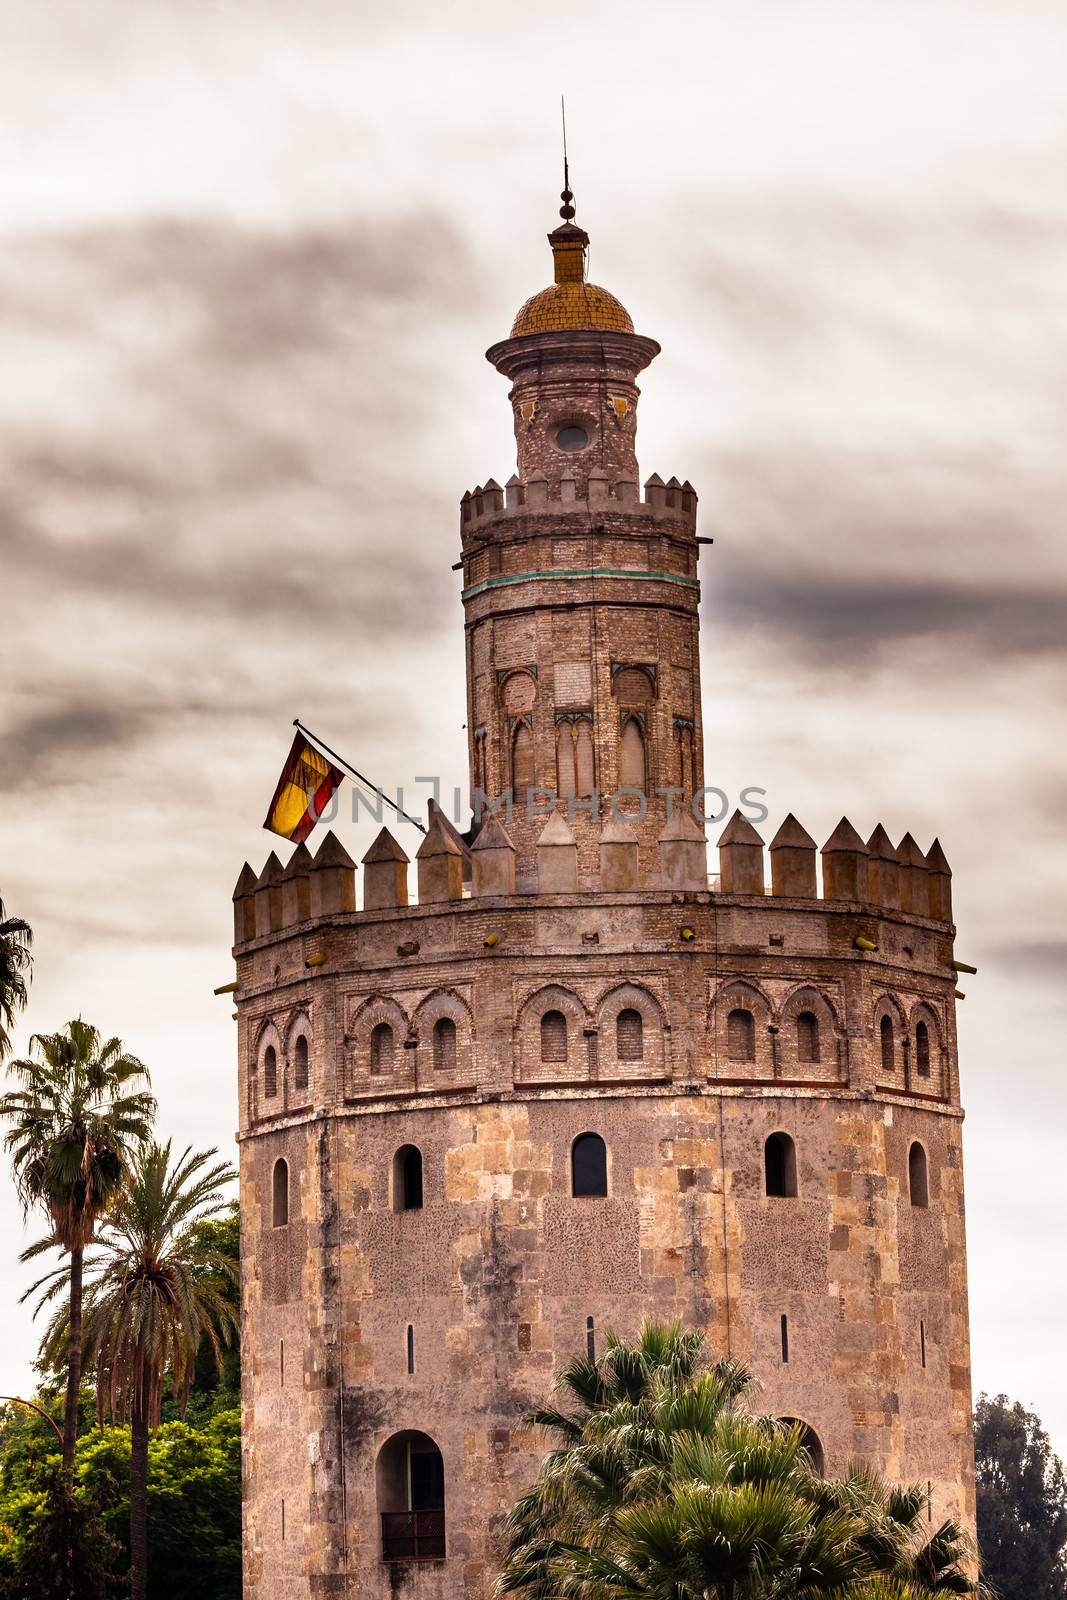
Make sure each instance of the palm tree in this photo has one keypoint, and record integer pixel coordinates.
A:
(663, 1486)
(16, 937)
(154, 1291)
(77, 1115)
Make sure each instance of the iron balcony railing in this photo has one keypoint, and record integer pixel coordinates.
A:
(413, 1535)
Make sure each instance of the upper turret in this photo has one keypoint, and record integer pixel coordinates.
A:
(571, 302)
(573, 358)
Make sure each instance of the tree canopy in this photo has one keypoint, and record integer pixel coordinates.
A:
(1022, 1502)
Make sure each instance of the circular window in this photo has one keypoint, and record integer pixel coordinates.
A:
(572, 437)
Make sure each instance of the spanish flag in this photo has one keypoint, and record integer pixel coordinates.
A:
(303, 793)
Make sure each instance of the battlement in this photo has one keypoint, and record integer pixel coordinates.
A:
(874, 875)
(588, 492)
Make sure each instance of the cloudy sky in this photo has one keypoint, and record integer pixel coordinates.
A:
(250, 257)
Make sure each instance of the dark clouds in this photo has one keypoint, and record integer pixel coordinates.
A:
(248, 271)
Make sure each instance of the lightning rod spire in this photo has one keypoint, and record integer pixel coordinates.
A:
(566, 210)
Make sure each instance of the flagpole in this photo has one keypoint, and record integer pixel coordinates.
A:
(357, 774)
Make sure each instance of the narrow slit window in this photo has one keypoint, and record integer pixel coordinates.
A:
(270, 1072)
(922, 1342)
(280, 1194)
(281, 1363)
(590, 1339)
(409, 1346)
(283, 1521)
(785, 1340)
(300, 1063)
(407, 1178)
(922, 1050)
(918, 1177)
(886, 1032)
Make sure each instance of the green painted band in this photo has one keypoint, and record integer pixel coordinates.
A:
(578, 572)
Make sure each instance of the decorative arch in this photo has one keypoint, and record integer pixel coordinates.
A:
(889, 1064)
(530, 1065)
(809, 1036)
(443, 1006)
(518, 691)
(371, 1068)
(731, 1057)
(266, 1094)
(633, 684)
(299, 1060)
(625, 1049)
(932, 1079)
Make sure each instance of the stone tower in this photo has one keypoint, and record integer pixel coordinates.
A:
(576, 1082)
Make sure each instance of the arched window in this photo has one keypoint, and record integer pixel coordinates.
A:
(807, 1037)
(381, 1048)
(918, 1176)
(522, 762)
(270, 1072)
(280, 1194)
(300, 1063)
(811, 1443)
(407, 1178)
(553, 1036)
(444, 1044)
(410, 1476)
(632, 756)
(885, 1029)
(780, 1166)
(589, 1166)
(629, 1035)
(922, 1049)
(741, 1035)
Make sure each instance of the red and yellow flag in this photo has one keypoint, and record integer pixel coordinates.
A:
(303, 793)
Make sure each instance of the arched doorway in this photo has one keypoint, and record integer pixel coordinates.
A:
(811, 1442)
(410, 1479)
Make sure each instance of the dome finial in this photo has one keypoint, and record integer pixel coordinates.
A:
(566, 210)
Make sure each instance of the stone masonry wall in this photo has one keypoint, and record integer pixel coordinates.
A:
(499, 1271)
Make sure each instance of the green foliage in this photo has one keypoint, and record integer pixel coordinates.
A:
(16, 937)
(79, 1109)
(1022, 1503)
(194, 1512)
(160, 1285)
(663, 1485)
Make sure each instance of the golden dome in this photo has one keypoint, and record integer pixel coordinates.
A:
(570, 302)
(572, 305)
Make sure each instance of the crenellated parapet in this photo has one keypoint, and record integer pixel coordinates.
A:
(577, 492)
(873, 875)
